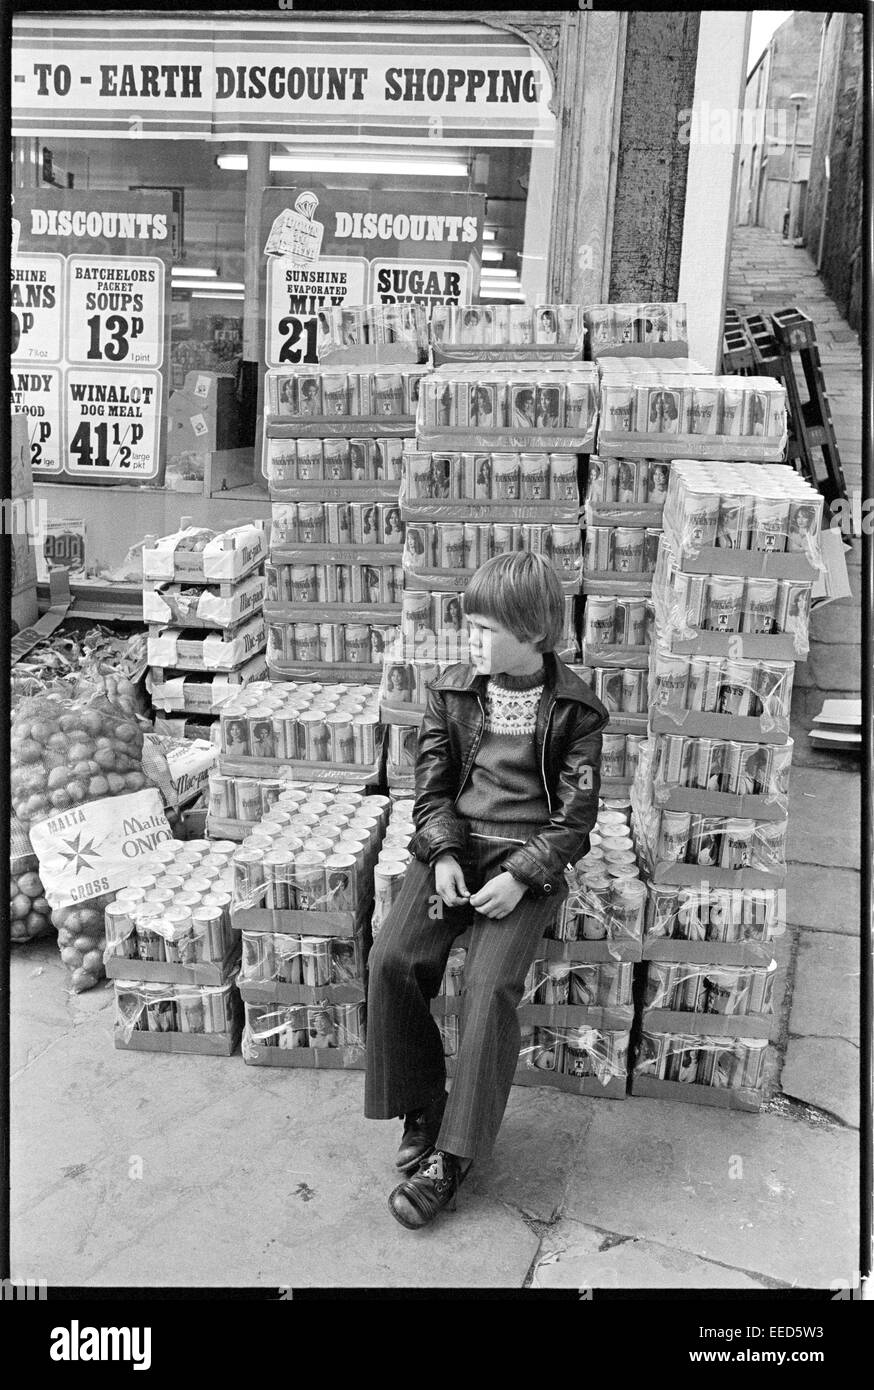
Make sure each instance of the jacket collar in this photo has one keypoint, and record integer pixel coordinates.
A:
(561, 681)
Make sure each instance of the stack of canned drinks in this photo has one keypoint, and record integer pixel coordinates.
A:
(456, 545)
(358, 644)
(508, 325)
(718, 407)
(313, 851)
(403, 743)
(514, 396)
(606, 898)
(290, 461)
(143, 1007)
(630, 550)
(722, 765)
(686, 604)
(620, 755)
(727, 842)
(729, 1063)
(742, 506)
(725, 915)
(624, 691)
(635, 323)
(710, 989)
(489, 477)
(613, 620)
(176, 910)
(336, 523)
(303, 720)
(394, 857)
(581, 1052)
(312, 1026)
(373, 325)
(433, 623)
(602, 985)
(290, 959)
(627, 482)
(365, 584)
(714, 685)
(389, 393)
(247, 799)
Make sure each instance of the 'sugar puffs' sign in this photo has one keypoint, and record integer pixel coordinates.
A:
(329, 247)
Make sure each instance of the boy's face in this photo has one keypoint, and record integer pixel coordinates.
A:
(496, 651)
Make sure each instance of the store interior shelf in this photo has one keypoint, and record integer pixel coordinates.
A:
(99, 599)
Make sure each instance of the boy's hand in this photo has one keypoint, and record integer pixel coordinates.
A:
(449, 881)
(499, 896)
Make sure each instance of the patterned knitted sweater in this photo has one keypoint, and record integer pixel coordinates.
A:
(505, 781)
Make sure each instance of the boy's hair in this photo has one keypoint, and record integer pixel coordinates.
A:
(522, 592)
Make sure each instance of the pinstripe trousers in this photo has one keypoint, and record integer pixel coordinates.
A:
(405, 1064)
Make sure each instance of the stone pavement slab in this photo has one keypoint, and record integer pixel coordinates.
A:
(840, 621)
(836, 665)
(831, 834)
(824, 901)
(774, 1196)
(825, 998)
(574, 1256)
(824, 1072)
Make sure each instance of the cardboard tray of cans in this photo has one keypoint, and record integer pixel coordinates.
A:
(601, 952)
(169, 972)
(224, 649)
(300, 922)
(220, 828)
(636, 514)
(529, 510)
(322, 554)
(200, 692)
(707, 1025)
(709, 803)
(316, 1058)
(635, 584)
(615, 1089)
(298, 768)
(232, 555)
(682, 951)
(365, 672)
(612, 787)
(329, 490)
(723, 1097)
(378, 613)
(445, 354)
(463, 439)
(749, 564)
(339, 427)
(746, 728)
(616, 1018)
(779, 646)
(689, 875)
(597, 654)
(223, 605)
(723, 448)
(275, 992)
(201, 1044)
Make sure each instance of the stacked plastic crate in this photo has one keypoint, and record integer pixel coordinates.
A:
(502, 423)
(737, 562)
(203, 596)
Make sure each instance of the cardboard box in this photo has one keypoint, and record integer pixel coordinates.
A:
(301, 923)
(221, 606)
(753, 646)
(697, 724)
(167, 972)
(688, 875)
(274, 992)
(615, 1019)
(597, 654)
(718, 447)
(314, 1058)
(201, 692)
(329, 490)
(376, 555)
(527, 511)
(707, 803)
(363, 672)
(200, 1044)
(754, 564)
(679, 950)
(722, 1097)
(379, 613)
(222, 650)
(708, 1025)
(221, 829)
(232, 554)
(298, 768)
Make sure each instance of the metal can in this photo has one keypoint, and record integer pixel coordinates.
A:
(357, 643)
(562, 481)
(350, 1021)
(737, 844)
(335, 393)
(657, 478)
(718, 1065)
(688, 600)
(723, 604)
(661, 981)
(688, 989)
(653, 1055)
(708, 770)
(160, 1007)
(805, 522)
(334, 511)
(217, 1009)
(750, 1054)
(628, 544)
(670, 681)
(566, 550)
(628, 477)
(534, 477)
(757, 410)
(631, 622)
(520, 326)
(281, 462)
(747, 769)
(578, 408)
(476, 545)
(699, 518)
(672, 760)
(704, 683)
(732, 410)
(793, 607)
(597, 555)
(311, 523)
(704, 404)
(310, 462)
(304, 584)
(306, 642)
(682, 1056)
(599, 621)
(506, 477)
(735, 688)
(337, 459)
(633, 747)
(651, 540)
(450, 540)
(330, 642)
(313, 738)
(769, 846)
(503, 538)
(220, 793)
(608, 688)
(364, 736)
(705, 841)
(309, 880)
(634, 691)
(388, 393)
(673, 839)
(342, 742)
(770, 524)
(121, 938)
(733, 525)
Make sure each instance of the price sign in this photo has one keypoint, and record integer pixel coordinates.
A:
(296, 294)
(112, 423)
(36, 394)
(37, 304)
(115, 311)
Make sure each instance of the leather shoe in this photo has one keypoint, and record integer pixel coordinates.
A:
(432, 1189)
(421, 1128)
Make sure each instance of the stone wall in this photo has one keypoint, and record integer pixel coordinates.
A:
(841, 91)
(659, 83)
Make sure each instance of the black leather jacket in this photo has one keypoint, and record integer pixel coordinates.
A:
(568, 739)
